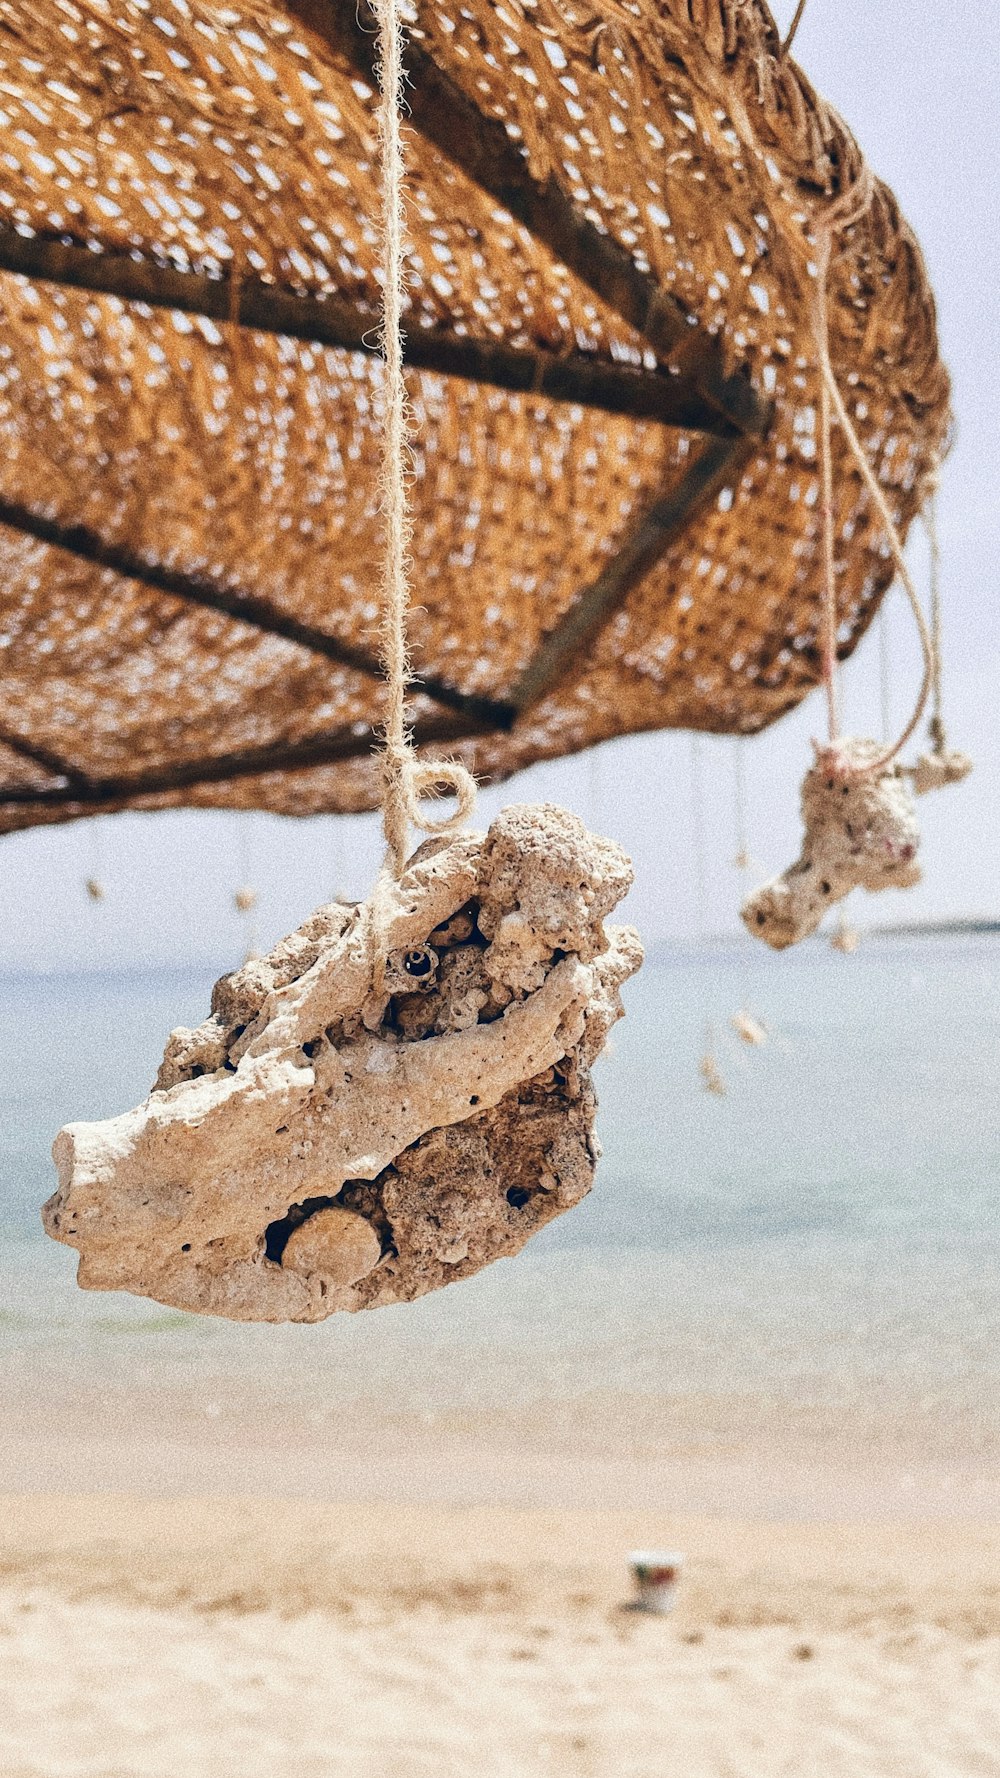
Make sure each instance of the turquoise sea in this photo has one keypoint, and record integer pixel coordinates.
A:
(812, 1257)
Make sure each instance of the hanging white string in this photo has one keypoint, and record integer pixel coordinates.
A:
(896, 546)
(943, 764)
(830, 395)
(937, 733)
(741, 859)
(594, 789)
(245, 896)
(828, 641)
(884, 676)
(843, 212)
(708, 1066)
(405, 778)
(94, 883)
(749, 1029)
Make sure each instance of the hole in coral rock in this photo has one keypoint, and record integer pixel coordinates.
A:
(825, 887)
(517, 1197)
(313, 1047)
(186, 1247)
(475, 1099)
(418, 963)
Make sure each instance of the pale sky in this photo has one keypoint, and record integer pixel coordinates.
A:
(917, 83)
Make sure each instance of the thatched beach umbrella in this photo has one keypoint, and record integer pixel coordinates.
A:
(611, 369)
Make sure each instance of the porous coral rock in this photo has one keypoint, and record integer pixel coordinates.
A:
(936, 770)
(547, 886)
(860, 832)
(291, 1161)
(748, 1029)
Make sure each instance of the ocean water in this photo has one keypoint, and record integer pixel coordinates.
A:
(815, 1253)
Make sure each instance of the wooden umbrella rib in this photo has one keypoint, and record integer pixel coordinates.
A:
(645, 545)
(672, 399)
(43, 757)
(479, 146)
(245, 608)
(296, 756)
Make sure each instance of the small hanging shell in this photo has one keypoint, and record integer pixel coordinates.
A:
(245, 900)
(748, 1029)
(860, 832)
(94, 889)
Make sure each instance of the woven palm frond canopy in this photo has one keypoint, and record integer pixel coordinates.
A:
(612, 376)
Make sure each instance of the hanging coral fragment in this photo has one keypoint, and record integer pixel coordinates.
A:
(711, 1074)
(844, 937)
(316, 1145)
(935, 771)
(748, 1029)
(860, 833)
(941, 765)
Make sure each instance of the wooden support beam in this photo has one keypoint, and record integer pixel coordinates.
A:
(444, 115)
(246, 608)
(94, 796)
(43, 757)
(669, 397)
(645, 545)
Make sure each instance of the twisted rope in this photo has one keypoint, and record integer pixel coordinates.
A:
(936, 726)
(405, 778)
(828, 648)
(793, 27)
(848, 209)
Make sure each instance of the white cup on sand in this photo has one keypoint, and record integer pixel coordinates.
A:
(655, 1573)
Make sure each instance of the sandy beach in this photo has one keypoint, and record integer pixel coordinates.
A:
(145, 1639)
(395, 1546)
